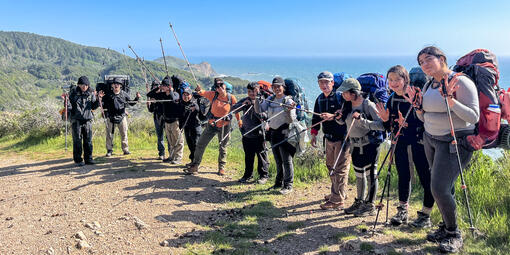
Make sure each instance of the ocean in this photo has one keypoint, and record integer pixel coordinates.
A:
(306, 69)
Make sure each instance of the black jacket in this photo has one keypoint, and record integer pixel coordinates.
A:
(81, 104)
(172, 111)
(414, 130)
(115, 105)
(156, 108)
(332, 130)
(250, 119)
(193, 120)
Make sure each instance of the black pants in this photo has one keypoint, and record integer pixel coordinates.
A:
(82, 132)
(404, 173)
(192, 134)
(255, 146)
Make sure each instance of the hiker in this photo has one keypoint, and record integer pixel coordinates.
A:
(253, 142)
(327, 104)
(159, 123)
(278, 129)
(115, 104)
(82, 100)
(409, 148)
(362, 114)
(189, 121)
(221, 105)
(171, 114)
(462, 97)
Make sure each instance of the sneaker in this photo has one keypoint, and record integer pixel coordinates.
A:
(332, 206)
(438, 235)
(366, 209)
(401, 216)
(243, 180)
(262, 180)
(193, 169)
(327, 197)
(423, 221)
(109, 153)
(90, 162)
(354, 207)
(161, 157)
(80, 163)
(452, 242)
(286, 190)
(221, 172)
(276, 186)
(127, 152)
(169, 159)
(175, 162)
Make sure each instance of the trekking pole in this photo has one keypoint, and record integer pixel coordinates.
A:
(454, 142)
(292, 107)
(255, 128)
(184, 55)
(145, 79)
(390, 153)
(286, 139)
(343, 143)
(142, 62)
(228, 114)
(232, 128)
(182, 129)
(66, 100)
(164, 58)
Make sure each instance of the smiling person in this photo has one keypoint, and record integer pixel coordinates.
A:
(462, 98)
(409, 148)
(327, 104)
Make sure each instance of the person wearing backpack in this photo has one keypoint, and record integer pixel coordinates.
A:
(159, 123)
(462, 97)
(189, 122)
(171, 115)
(115, 104)
(365, 142)
(279, 130)
(82, 101)
(410, 140)
(253, 143)
(218, 124)
(327, 104)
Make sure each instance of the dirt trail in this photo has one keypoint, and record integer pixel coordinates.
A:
(142, 206)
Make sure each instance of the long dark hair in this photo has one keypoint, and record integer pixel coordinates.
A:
(400, 71)
(434, 51)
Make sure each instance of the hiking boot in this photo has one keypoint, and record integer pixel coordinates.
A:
(243, 180)
(286, 190)
(80, 164)
(332, 206)
(175, 162)
(401, 216)
(262, 180)
(127, 152)
(109, 153)
(423, 221)
(354, 207)
(452, 242)
(327, 197)
(90, 162)
(189, 165)
(169, 159)
(366, 209)
(193, 169)
(221, 172)
(438, 235)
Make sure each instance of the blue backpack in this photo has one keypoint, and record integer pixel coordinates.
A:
(295, 90)
(338, 78)
(179, 84)
(374, 85)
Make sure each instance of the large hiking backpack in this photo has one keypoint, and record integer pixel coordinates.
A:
(295, 90)
(203, 105)
(106, 86)
(265, 88)
(338, 78)
(179, 84)
(482, 67)
(417, 78)
(374, 85)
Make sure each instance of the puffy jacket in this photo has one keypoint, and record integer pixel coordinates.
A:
(332, 130)
(115, 105)
(81, 104)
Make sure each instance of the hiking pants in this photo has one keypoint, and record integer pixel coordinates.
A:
(175, 140)
(444, 167)
(364, 161)
(123, 130)
(208, 134)
(405, 155)
(255, 146)
(284, 165)
(192, 134)
(339, 175)
(159, 123)
(82, 133)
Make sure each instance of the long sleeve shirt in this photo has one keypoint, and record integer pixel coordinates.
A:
(81, 104)
(219, 107)
(171, 109)
(286, 116)
(250, 118)
(330, 104)
(363, 125)
(115, 105)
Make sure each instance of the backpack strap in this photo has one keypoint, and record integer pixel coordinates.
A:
(321, 97)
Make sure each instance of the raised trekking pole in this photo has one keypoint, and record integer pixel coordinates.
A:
(184, 55)
(296, 134)
(230, 113)
(142, 63)
(255, 128)
(343, 143)
(66, 100)
(164, 58)
(454, 142)
(292, 107)
(390, 153)
(145, 79)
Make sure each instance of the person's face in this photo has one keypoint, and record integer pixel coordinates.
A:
(326, 86)
(278, 89)
(221, 88)
(165, 88)
(116, 88)
(348, 96)
(430, 64)
(83, 87)
(186, 97)
(396, 83)
(252, 93)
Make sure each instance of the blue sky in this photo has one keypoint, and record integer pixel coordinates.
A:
(269, 28)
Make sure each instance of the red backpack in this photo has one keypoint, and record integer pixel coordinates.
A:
(482, 67)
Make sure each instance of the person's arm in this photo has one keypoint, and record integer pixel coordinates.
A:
(466, 104)
(153, 93)
(132, 102)
(316, 119)
(238, 117)
(260, 107)
(291, 115)
(376, 123)
(95, 101)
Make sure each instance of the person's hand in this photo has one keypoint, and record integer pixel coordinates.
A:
(356, 115)
(240, 123)
(382, 112)
(193, 108)
(138, 95)
(95, 93)
(314, 141)
(101, 94)
(401, 120)
(327, 116)
(198, 88)
(414, 96)
(451, 87)
(338, 114)
(247, 102)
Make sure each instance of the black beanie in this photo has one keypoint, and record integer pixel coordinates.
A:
(83, 80)
(166, 81)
